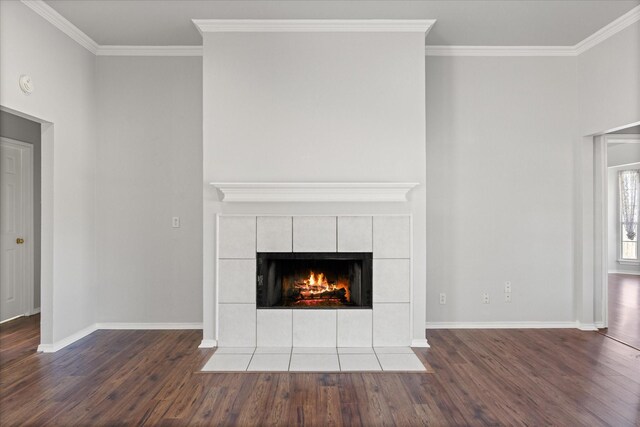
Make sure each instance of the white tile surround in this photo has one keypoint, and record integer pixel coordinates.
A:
(240, 324)
(323, 359)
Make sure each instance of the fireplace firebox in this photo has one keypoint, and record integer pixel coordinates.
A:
(314, 280)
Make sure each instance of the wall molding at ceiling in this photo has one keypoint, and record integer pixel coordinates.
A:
(107, 50)
(62, 23)
(499, 51)
(629, 18)
(375, 25)
(313, 25)
(609, 30)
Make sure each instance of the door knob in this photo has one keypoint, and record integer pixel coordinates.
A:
(19, 240)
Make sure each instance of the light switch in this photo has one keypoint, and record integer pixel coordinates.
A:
(175, 223)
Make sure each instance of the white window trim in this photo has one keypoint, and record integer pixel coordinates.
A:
(625, 261)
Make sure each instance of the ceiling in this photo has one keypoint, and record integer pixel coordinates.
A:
(472, 23)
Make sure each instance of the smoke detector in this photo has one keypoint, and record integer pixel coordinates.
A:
(26, 84)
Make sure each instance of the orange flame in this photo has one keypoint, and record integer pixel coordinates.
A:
(316, 285)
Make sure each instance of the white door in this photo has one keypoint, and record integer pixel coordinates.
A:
(14, 228)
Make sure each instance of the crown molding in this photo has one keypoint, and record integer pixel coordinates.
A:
(313, 25)
(108, 50)
(61, 23)
(596, 38)
(609, 30)
(328, 25)
(499, 51)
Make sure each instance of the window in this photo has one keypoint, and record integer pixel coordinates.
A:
(629, 184)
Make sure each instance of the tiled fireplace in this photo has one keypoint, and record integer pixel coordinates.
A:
(313, 281)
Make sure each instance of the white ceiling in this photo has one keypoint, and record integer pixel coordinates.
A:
(474, 23)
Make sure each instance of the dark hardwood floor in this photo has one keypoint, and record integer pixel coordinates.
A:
(480, 377)
(624, 308)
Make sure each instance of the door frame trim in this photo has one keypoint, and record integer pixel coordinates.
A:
(28, 218)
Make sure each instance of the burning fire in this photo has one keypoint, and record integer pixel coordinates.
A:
(318, 287)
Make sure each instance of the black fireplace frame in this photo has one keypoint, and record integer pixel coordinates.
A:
(365, 286)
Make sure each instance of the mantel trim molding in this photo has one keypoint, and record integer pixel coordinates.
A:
(313, 25)
(314, 191)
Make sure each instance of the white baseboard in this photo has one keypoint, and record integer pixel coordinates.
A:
(12, 318)
(58, 345)
(208, 344)
(587, 326)
(420, 343)
(501, 325)
(52, 348)
(28, 313)
(148, 326)
(633, 273)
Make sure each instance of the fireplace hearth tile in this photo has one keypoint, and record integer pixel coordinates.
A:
(269, 363)
(393, 350)
(359, 362)
(400, 362)
(355, 350)
(235, 350)
(314, 363)
(273, 350)
(310, 359)
(227, 363)
(314, 350)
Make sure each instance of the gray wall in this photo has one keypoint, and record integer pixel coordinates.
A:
(609, 95)
(149, 170)
(64, 79)
(499, 188)
(18, 128)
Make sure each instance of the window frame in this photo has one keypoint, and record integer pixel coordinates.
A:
(620, 242)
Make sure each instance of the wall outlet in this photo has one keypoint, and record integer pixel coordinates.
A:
(175, 222)
(443, 298)
(507, 286)
(485, 298)
(507, 297)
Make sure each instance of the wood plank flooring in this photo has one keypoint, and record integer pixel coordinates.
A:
(624, 308)
(480, 377)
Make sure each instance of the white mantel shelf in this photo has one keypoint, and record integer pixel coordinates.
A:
(314, 191)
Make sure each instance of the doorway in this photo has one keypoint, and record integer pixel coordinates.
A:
(19, 217)
(621, 293)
